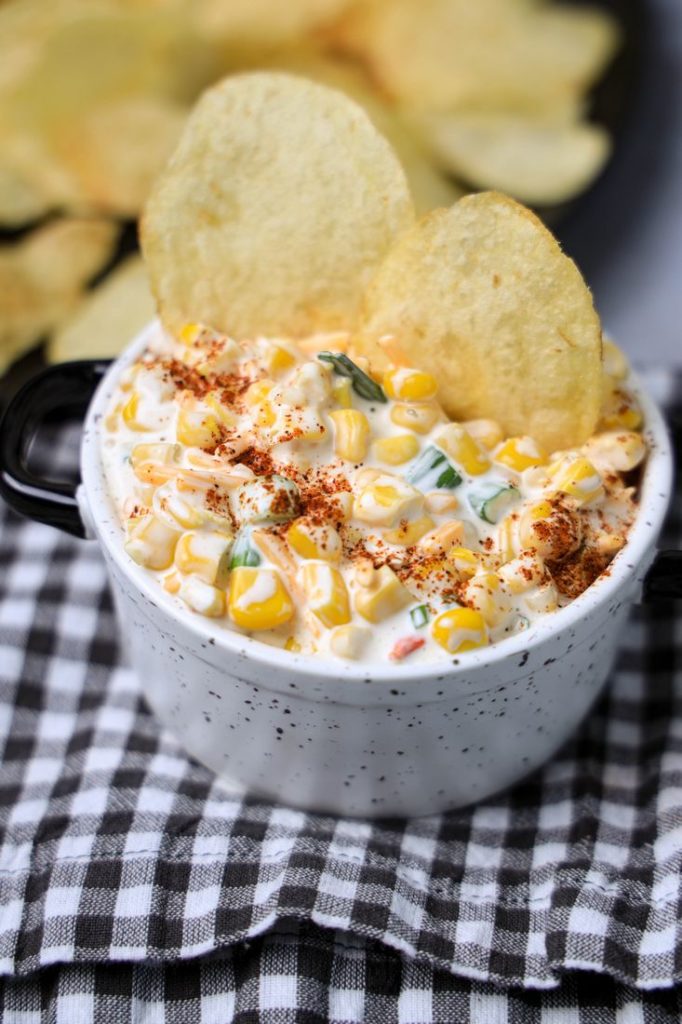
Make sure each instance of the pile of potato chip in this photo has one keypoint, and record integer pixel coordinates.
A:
(94, 95)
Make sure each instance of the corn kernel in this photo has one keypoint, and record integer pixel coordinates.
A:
(351, 434)
(202, 597)
(222, 414)
(150, 542)
(279, 360)
(440, 540)
(204, 554)
(486, 432)
(619, 450)
(220, 357)
(386, 500)
(581, 481)
(522, 574)
(135, 416)
(258, 599)
(506, 541)
(485, 593)
(409, 532)
(440, 503)
(542, 600)
(614, 362)
(409, 385)
(189, 333)
(196, 426)
(313, 540)
(550, 530)
(172, 509)
(326, 593)
(154, 463)
(257, 392)
(348, 641)
(463, 561)
(621, 411)
(112, 417)
(342, 393)
(460, 629)
(171, 583)
(397, 449)
(381, 596)
(420, 418)
(461, 447)
(519, 453)
(292, 644)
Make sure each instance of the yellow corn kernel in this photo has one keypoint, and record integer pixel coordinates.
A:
(542, 600)
(519, 453)
(293, 645)
(348, 641)
(351, 434)
(257, 392)
(409, 385)
(204, 554)
(171, 583)
(326, 593)
(621, 411)
(279, 360)
(581, 481)
(189, 333)
(486, 432)
(173, 510)
(463, 561)
(150, 542)
(195, 426)
(342, 393)
(443, 538)
(460, 629)
(551, 531)
(133, 414)
(397, 449)
(340, 506)
(154, 463)
(420, 418)
(619, 450)
(202, 597)
(382, 595)
(313, 540)
(506, 541)
(614, 362)
(485, 593)
(461, 447)
(522, 574)
(258, 599)
(440, 503)
(222, 413)
(409, 532)
(386, 500)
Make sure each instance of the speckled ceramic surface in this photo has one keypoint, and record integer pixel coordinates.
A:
(372, 739)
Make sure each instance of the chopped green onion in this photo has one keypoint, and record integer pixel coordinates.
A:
(269, 498)
(419, 616)
(243, 551)
(433, 469)
(492, 500)
(361, 383)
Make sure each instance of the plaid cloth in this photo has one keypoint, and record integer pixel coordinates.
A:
(117, 847)
(306, 976)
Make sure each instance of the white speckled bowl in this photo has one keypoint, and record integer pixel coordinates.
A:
(371, 739)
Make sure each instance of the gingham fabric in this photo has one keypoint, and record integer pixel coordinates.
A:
(119, 848)
(305, 976)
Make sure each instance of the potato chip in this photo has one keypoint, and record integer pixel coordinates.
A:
(275, 210)
(262, 23)
(115, 152)
(43, 276)
(448, 54)
(482, 297)
(21, 200)
(109, 317)
(534, 159)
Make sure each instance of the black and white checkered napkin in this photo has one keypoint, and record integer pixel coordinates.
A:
(117, 847)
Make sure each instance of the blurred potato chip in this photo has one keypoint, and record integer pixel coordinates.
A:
(449, 54)
(534, 159)
(109, 317)
(276, 208)
(482, 297)
(262, 23)
(115, 152)
(43, 276)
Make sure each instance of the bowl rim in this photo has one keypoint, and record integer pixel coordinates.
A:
(655, 495)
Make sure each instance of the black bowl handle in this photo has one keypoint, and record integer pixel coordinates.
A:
(62, 392)
(663, 582)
